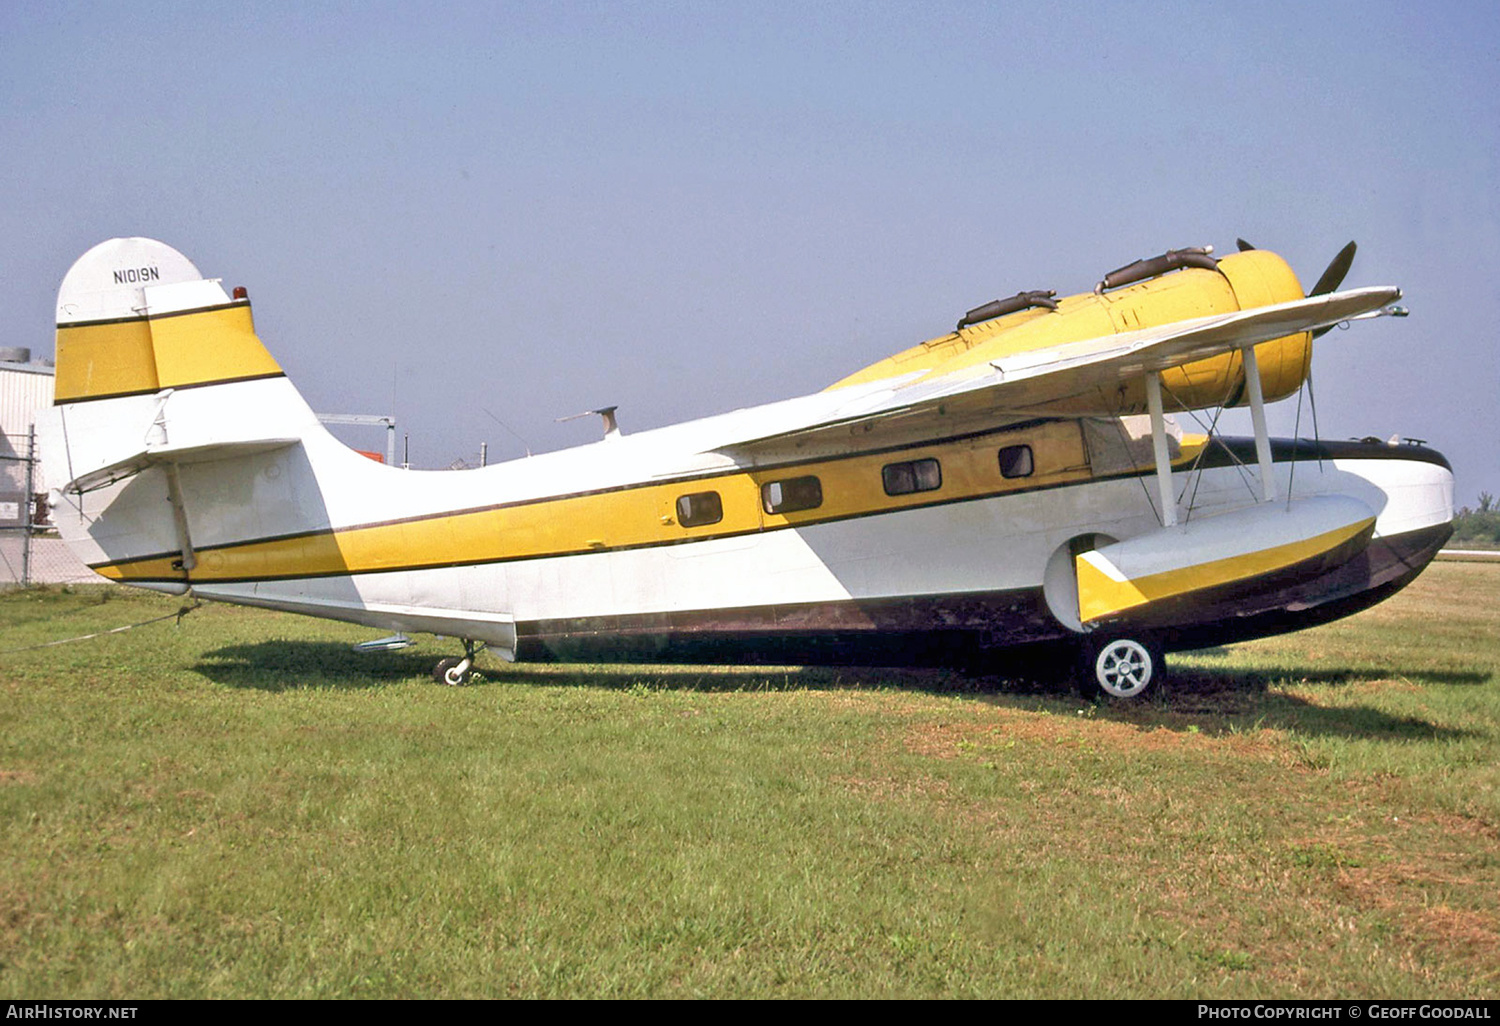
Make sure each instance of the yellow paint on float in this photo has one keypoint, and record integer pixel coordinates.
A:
(1104, 591)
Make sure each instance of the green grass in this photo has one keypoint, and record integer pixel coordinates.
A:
(239, 806)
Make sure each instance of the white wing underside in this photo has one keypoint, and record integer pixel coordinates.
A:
(1028, 384)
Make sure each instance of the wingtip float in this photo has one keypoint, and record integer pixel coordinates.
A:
(1015, 482)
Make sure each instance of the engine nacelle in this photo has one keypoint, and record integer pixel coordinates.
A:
(1241, 281)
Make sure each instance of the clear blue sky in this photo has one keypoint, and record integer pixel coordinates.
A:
(535, 209)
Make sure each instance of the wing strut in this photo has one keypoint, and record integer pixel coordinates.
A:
(1159, 449)
(1258, 419)
(1159, 437)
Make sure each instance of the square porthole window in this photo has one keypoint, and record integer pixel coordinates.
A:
(791, 495)
(912, 476)
(699, 509)
(1016, 461)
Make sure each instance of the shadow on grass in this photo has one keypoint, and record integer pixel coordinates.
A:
(290, 665)
(666, 677)
(1293, 713)
(1213, 701)
(1221, 701)
(1212, 678)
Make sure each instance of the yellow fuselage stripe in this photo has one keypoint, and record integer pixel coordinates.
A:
(630, 517)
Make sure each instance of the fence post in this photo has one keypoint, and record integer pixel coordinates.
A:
(27, 498)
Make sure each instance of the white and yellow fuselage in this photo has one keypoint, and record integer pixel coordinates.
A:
(927, 532)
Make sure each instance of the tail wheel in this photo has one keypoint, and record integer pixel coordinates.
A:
(1122, 669)
(452, 671)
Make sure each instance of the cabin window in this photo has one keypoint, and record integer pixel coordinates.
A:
(912, 476)
(1016, 461)
(699, 509)
(791, 495)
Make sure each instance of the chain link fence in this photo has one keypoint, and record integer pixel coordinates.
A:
(30, 550)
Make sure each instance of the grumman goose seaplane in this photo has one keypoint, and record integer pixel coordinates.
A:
(1017, 481)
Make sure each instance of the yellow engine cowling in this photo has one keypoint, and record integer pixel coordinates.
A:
(1243, 280)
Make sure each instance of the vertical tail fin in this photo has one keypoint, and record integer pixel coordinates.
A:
(160, 378)
(142, 339)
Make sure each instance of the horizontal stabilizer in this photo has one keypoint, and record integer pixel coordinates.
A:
(178, 454)
(392, 643)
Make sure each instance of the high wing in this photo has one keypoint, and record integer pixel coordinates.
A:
(1081, 378)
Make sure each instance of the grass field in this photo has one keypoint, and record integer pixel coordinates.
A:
(240, 806)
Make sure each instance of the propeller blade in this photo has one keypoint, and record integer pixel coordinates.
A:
(1243, 245)
(1334, 276)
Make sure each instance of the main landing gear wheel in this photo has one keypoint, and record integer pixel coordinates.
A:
(1122, 669)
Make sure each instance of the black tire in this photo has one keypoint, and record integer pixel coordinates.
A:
(1121, 668)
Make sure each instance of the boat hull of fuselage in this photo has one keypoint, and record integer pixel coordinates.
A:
(971, 629)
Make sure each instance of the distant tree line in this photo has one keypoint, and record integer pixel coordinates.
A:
(1477, 528)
